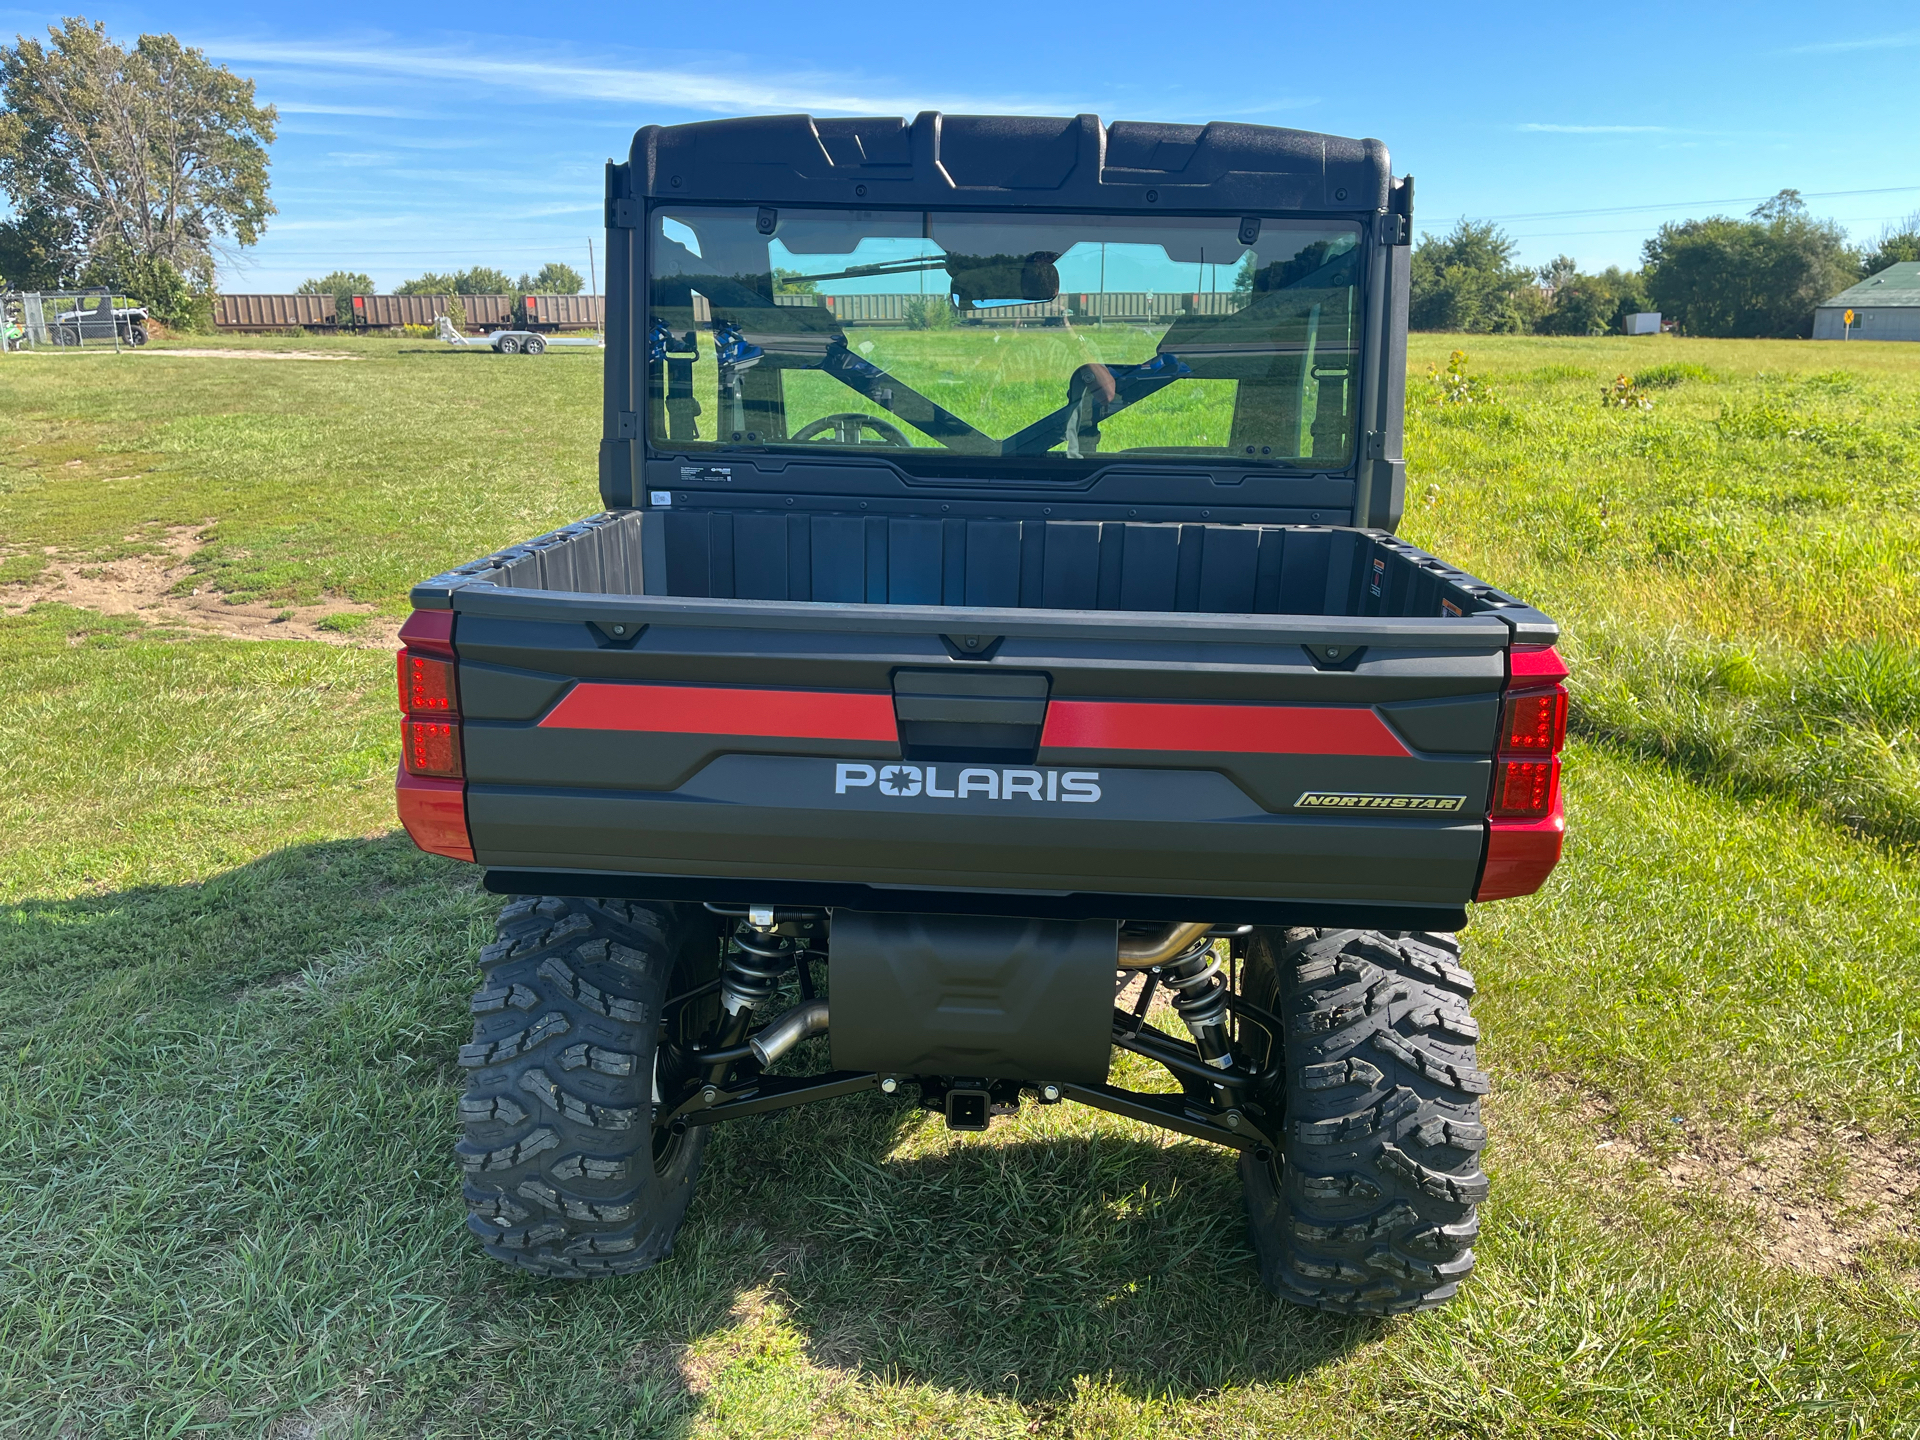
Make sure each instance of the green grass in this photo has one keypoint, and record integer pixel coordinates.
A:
(230, 997)
(350, 478)
(1000, 381)
(1736, 567)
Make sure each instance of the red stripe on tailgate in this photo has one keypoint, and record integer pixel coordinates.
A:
(725, 710)
(1243, 729)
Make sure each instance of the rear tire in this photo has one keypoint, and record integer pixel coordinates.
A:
(1369, 1206)
(534, 346)
(571, 1060)
(136, 335)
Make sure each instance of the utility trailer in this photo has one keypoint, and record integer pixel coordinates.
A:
(510, 342)
(928, 707)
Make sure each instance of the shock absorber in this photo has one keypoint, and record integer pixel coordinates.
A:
(750, 974)
(1200, 1000)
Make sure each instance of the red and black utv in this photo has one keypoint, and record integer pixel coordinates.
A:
(994, 628)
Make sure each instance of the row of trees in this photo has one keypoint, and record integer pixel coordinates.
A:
(129, 168)
(1759, 276)
(553, 278)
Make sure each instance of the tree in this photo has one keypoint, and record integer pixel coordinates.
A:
(793, 282)
(343, 285)
(1759, 276)
(1558, 273)
(38, 252)
(139, 163)
(1467, 280)
(428, 284)
(1896, 243)
(482, 280)
(553, 279)
(1582, 304)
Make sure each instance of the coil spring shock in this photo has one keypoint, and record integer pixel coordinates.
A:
(1200, 1000)
(750, 973)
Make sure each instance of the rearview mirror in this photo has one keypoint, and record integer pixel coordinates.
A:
(986, 280)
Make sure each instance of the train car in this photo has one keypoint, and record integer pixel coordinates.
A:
(487, 312)
(563, 312)
(390, 312)
(275, 312)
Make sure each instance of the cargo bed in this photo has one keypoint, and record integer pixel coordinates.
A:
(1283, 724)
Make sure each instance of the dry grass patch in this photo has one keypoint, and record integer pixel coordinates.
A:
(1793, 1191)
(158, 587)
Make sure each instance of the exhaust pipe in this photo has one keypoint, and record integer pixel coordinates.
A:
(786, 1031)
(1143, 952)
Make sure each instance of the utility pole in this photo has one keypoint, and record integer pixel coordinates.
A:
(593, 281)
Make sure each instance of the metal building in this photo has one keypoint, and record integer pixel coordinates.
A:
(1885, 307)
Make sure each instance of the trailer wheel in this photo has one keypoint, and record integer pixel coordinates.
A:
(534, 346)
(1369, 1206)
(578, 1042)
(507, 345)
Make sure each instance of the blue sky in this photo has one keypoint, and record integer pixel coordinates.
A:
(428, 137)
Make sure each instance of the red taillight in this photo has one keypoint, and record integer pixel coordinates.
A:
(431, 747)
(1524, 789)
(432, 795)
(427, 685)
(1534, 722)
(1526, 819)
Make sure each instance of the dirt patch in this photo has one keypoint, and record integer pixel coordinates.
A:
(330, 1419)
(1823, 1195)
(147, 586)
(1819, 1194)
(218, 354)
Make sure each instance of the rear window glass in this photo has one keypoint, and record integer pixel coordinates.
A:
(1016, 337)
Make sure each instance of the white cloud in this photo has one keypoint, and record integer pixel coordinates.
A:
(1907, 40)
(720, 90)
(378, 112)
(721, 85)
(1595, 129)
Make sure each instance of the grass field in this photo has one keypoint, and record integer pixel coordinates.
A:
(230, 998)
(1002, 379)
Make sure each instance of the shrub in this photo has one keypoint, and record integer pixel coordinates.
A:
(1455, 385)
(934, 312)
(1624, 394)
(1467, 280)
(1662, 377)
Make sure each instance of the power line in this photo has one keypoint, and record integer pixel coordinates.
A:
(1641, 229)
(1685, 204)
(256, 257)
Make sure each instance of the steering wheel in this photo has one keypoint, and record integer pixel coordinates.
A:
(847, 425)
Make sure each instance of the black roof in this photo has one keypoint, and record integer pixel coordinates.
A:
(998, 160)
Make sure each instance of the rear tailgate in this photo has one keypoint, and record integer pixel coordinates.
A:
(1089, 761)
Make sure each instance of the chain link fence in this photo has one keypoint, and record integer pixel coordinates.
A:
(71, 320)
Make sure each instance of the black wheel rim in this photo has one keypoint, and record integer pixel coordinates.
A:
(675, 1076)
